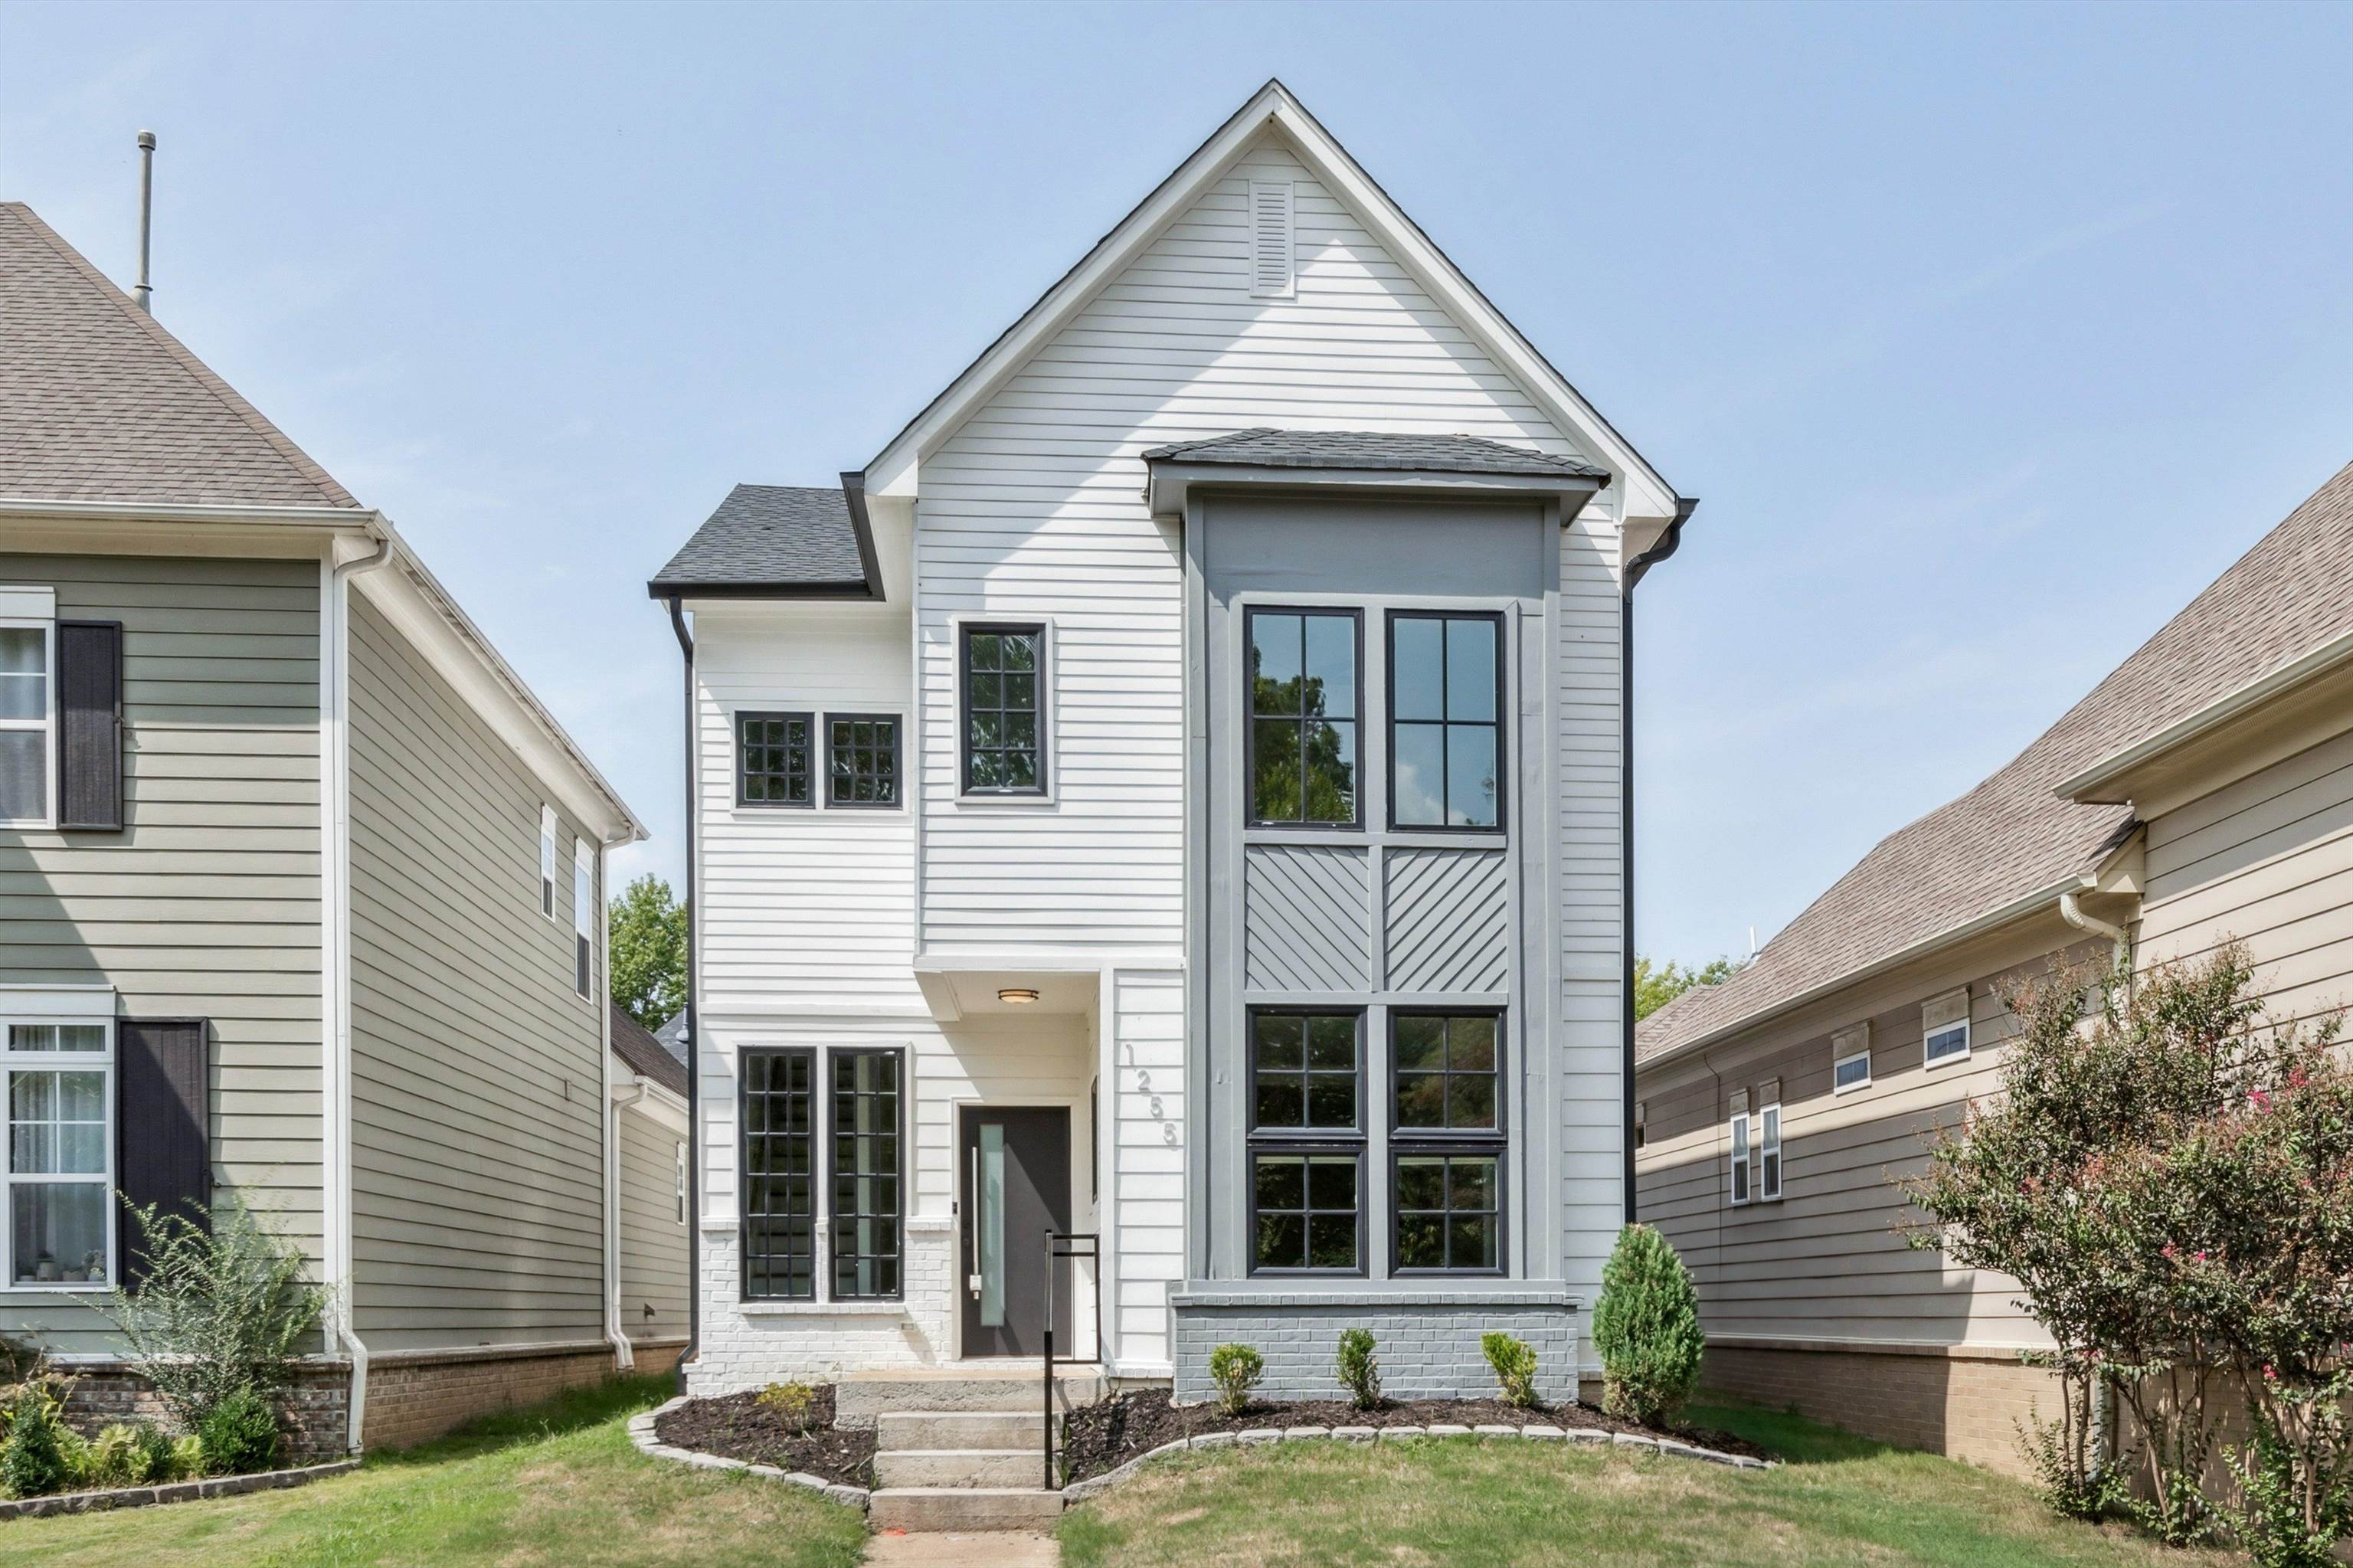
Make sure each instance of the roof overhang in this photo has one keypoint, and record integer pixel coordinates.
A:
(2272, 716)
(861, 525)
(894, 470)
(1172, 481)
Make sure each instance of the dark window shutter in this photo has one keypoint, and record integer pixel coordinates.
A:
(89, 725)
(162, 1129)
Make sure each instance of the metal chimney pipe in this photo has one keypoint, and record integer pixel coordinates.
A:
(143, 294)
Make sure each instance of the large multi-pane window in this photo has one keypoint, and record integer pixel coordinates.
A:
(834, 1125)
(1446, 700)
(866, 1174)
(779, 1191)
(28, 718)
(1306, 1136)
(1304, 757)
(1004, 713)
(773, 759)
(60, 1152)
(861, 759)
(1447, 1134)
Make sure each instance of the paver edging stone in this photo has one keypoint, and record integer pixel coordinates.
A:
(171, 1491)
(644, 1439)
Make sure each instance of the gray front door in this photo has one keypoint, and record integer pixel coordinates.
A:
(1013, 1175)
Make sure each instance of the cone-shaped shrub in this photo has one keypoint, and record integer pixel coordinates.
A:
(1647, 1330)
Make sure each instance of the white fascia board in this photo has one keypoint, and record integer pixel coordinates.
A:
(894, 470)
(415, 601)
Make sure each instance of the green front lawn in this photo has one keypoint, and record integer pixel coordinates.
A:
(1838, 1500)
(557, 1485)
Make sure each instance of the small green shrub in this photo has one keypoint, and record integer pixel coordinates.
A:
(1646, 1327)
(131, 1454)
(1236, 1370)
(1515, 1364)
(240, 1435)
(795, 1402)
(187, 1457)
(32, 1459)
(1360, 1369)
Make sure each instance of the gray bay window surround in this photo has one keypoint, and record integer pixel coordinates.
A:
(823, 1132)
(1369, 685)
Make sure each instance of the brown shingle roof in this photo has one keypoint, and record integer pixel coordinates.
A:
(100, 403)
(2012, 836)
(646, 1055)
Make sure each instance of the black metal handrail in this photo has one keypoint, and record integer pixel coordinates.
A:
(1070, 1244)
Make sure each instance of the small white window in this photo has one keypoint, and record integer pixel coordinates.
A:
(28, 720)
(1851, 1059)
(1740, 1157)
(1271, 239)
(1945, 1025)
(1769, 1154)
(584, 900)
(59, 1076)
(547, 861)
(681, 1183)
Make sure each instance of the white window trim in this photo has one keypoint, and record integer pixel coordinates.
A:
(1863, 1056)
(1928, 1033)
(45, 725)
(1047, 637)
(681, 1183)
(101, 1062)
(1742, 1178)
(1769, 1141)
(547, 836)
(584, 898)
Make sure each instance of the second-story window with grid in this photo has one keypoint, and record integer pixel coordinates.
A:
(861, 759)
(771, 759)
(1003, 680)
(1446, 701)
(1303, 717)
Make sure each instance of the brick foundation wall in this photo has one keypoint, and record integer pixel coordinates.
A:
(313, 1426)
(1428, 1350)
(415, 1396)
(1966, 1405)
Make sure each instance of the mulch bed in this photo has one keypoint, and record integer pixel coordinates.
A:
(1104, 1437)
(738, 1426)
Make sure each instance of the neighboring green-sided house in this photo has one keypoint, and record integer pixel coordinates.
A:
(300, 901)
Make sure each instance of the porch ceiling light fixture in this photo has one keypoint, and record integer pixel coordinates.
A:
(1016, 995)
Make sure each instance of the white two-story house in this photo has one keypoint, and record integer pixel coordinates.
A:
(1175, 794)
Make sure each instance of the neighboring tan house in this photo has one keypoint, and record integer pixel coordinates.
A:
(2203, 791)
(301, 893)
(650, 1132)
(1174, 794)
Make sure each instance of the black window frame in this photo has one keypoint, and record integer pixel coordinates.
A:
(1501, 723)
(966, 631)
(1496, 1149)
(743, 753)
(1453, 1142)
(1359, 1072)
(898, 761)
(1499, 1133)
(835, 1214)
(1306, 1150)
(817, 1171)
(1250, 718)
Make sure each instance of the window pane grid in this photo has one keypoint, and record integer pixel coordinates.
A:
(779, 1176)
(25, 724)
(1303, 706)
(1445, 730)
(866, 1175)
(1303, 1072)
(58, 1088)
(862, 759)
(1305, 1208)
(1450, 1211)
(1446, 1071)
(773, 759)
(1004, 750)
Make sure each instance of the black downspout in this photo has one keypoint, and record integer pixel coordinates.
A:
(1635, 569)
(693, 1033)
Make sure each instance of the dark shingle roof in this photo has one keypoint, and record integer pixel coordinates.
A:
(770, 537)
(646, 1055)
(98, 403)
(2012, 836)
(1374, 449)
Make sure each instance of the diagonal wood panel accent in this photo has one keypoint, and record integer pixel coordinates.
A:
(1306, 919)
(1449, 924)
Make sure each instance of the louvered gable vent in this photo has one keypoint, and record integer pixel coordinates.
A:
(1271, 244)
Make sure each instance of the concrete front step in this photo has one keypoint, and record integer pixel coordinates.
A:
(964, 1508)
(902, 1430)
(1014, 1467)
(860, 1397)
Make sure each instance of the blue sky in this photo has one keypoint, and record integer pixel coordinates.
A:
(1988, 335)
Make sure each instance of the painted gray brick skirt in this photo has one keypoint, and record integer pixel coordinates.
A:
(1428, 1346)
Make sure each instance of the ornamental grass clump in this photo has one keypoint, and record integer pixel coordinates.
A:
(1236, 1370)
(1360, 1369)
(1647, 1328)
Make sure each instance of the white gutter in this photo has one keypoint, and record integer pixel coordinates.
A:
(155, 511)
(624, 1356)
(335, 970)
(2073, 913)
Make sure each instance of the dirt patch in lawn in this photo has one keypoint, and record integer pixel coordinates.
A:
(738, 1426)
(1104, 1437)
